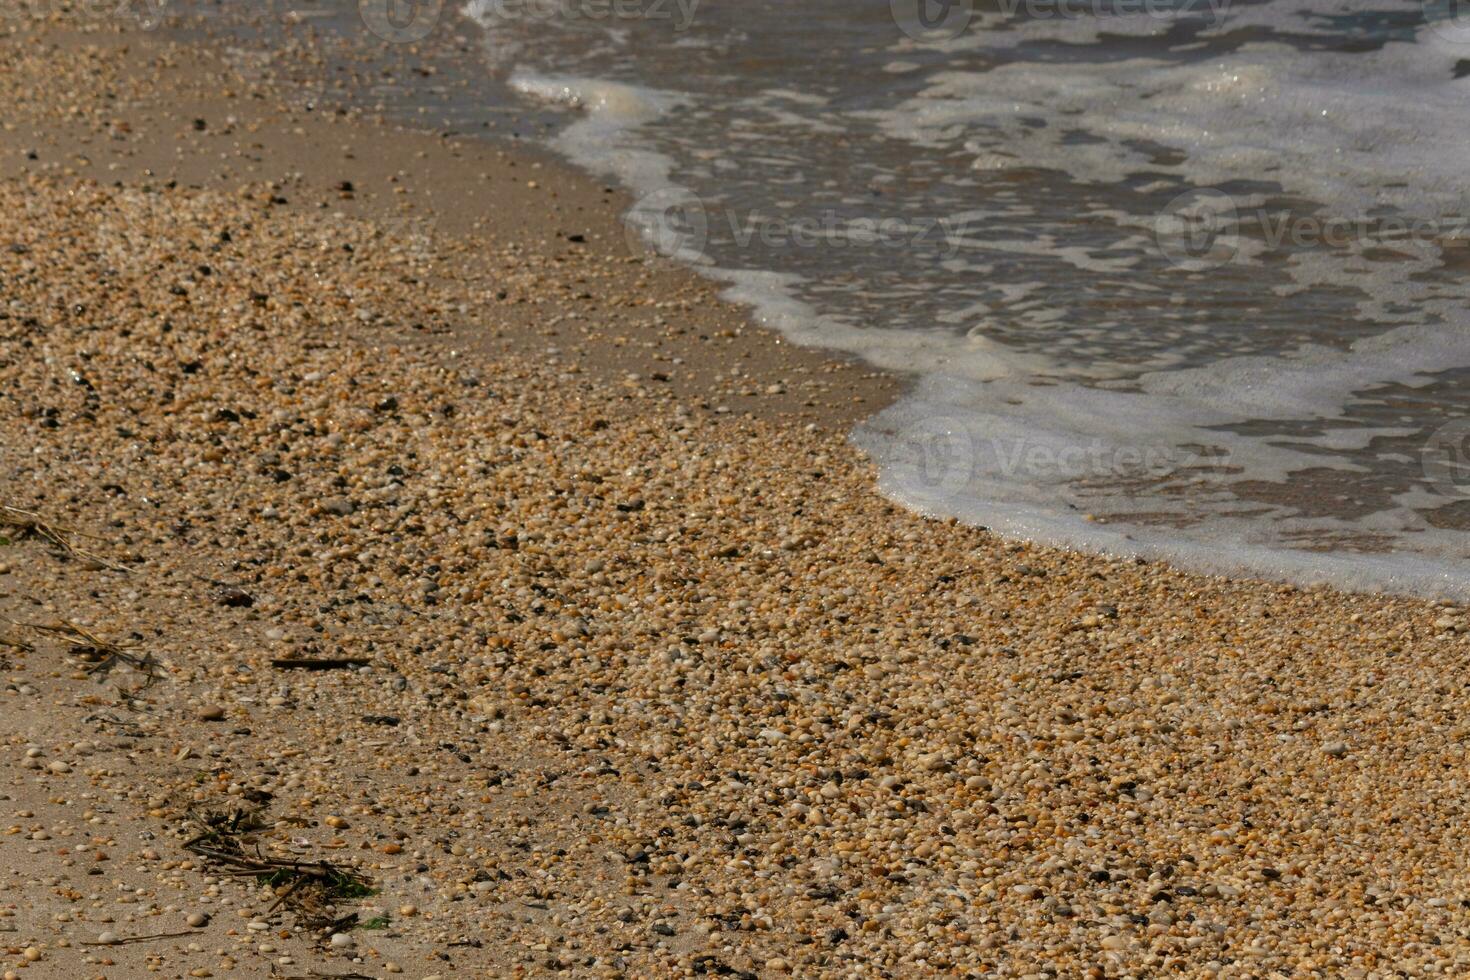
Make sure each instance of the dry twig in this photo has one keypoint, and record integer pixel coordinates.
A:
(308, 888)
(28, 523)
(15, 643)
(97, 655)
(140, 939)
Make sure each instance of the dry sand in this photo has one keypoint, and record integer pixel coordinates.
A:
(646, 680)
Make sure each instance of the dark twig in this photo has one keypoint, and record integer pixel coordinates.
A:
(140, 939)
(310, 887)
(123, 726)
(320, 663)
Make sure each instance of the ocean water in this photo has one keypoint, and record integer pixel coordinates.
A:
(1184, 279)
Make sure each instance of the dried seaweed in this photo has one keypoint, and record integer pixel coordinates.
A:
(310, 889)
(27, 523)
(98, 656)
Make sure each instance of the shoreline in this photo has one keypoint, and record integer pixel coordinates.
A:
(446, 191)
(621, 684)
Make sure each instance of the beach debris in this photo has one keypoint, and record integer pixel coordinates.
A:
(97, 656)
(110, 939)
(24, 523)
(320, 663)
(107, 721)
(228, 594)
(310, 889)
(14, 642)
(234, 597)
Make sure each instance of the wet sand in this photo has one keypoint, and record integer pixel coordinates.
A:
(631, 672)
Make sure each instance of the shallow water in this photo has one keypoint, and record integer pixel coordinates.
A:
(1181, 280)
(1176, 279)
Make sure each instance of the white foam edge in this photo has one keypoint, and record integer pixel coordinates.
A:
(1229, 391)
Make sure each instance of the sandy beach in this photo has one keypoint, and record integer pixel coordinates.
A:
(401, 574)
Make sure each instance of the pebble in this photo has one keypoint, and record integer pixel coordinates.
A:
(339, 506)
(197, 919)
(212, 712)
